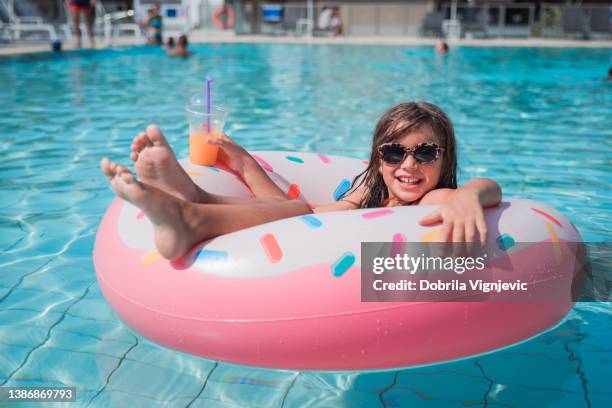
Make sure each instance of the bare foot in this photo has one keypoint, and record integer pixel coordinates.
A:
(173, 235)
(157, 166)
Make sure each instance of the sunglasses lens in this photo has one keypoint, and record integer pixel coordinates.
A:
(425, 154)
(393, 154)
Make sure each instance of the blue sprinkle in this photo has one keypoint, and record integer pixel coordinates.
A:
(295, 159)
(505, 242)
(311, 221)
(213, 168)
(209, 255)
(342, 188)
(343, 264)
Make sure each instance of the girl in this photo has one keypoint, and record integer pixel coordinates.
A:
(413, 162)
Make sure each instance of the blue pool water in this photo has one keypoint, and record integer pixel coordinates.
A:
(536, 120)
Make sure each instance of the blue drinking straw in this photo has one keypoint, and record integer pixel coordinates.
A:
(208, 101)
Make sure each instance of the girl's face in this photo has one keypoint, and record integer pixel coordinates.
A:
(410, 180)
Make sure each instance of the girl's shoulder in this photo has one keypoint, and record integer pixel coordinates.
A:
(437, 196)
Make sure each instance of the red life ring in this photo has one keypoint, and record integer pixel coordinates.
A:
(228, 12)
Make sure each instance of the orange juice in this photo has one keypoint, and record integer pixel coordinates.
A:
(200, 152)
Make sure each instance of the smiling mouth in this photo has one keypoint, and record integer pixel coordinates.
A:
(409, 181)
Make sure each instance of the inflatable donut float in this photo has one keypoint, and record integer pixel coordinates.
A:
(287, 294)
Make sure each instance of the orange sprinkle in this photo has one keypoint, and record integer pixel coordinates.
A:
(270, 245)
(150, 257)
(556, 246)
(194, 173)
(431, 236)
(294, 192)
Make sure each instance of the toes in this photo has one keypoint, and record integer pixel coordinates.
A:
(127, 176)
(155, 136)
(140, 142)
(134, 156)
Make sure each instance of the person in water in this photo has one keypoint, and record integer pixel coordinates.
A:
(442, 48)
(181, 48)
(413, 162)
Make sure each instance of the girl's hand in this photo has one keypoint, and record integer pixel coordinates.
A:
(462, 218)
(232, 155)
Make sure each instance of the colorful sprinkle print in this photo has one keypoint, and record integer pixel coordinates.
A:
(398, 246)
(555, 240)
(324, 158)
(140, 215)
(270, 245)
(550, 217)
(505, 242)
(311, 221)
(431, 236)
(294, 192)
(213, 168)
(376, 214)
(194, 173)
(399, 237)
(343, 264)
(263, 163)
(342, 188)
(150, 257)
(210, 255)
(295, 159)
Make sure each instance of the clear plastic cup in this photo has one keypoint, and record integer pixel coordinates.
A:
(201, 126)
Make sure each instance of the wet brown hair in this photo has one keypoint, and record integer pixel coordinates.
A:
(394, 124)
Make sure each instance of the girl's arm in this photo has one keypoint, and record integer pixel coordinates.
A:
(350, 202)
(237, 159)
(462, 214)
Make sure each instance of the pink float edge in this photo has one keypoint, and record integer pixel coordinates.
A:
(415, 333)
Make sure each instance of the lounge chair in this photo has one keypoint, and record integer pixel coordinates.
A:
(432, 23)
(599, 21)
(24, 27)
(107, 25)
(292, 16)
(474, 21)
(271, 19)
(572, 22)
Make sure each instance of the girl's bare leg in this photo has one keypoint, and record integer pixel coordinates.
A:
(157, 166)
(179, 225)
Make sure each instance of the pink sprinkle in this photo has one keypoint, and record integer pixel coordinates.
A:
(399, 244)
(376, 214)
(263, 163)
(550, 217)
(324, 158)
(140, 215)
(399, 237)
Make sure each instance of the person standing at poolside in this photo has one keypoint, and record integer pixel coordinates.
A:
(85, 7)
(153, 25)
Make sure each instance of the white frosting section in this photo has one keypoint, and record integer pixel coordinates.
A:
(290, 244)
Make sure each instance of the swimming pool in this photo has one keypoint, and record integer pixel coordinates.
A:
(535, 120)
